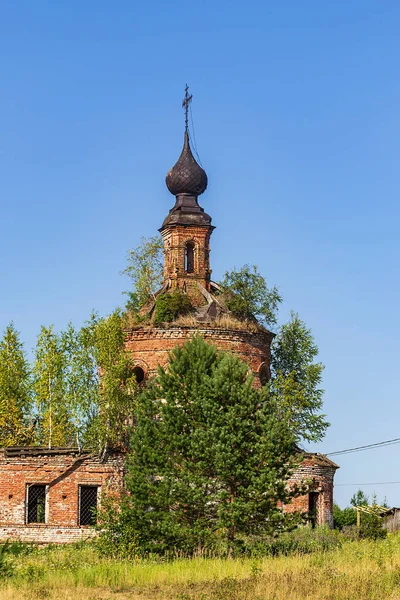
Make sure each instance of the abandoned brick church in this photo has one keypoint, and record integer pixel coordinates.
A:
(49, 495)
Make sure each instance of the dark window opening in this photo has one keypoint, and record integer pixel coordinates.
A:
(313, 508)
(139, 374)
(263, 373)
(88, 504)
(36, 504)
(189, 257)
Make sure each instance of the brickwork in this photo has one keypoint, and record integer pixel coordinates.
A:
(321, 471)
(150, 347)
(175, 274)
(62, 473)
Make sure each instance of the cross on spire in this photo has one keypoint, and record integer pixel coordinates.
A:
(185, 104)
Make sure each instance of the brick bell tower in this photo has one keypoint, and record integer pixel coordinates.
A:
(187, 229)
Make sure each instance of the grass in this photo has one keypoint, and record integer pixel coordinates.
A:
(224, 321)
(358, 570)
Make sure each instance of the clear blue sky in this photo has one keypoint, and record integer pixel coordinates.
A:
(296, 111)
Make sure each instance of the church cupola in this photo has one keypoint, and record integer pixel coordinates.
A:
(186, 176)
(187, 228)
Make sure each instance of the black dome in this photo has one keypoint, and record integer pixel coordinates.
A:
(186, 176)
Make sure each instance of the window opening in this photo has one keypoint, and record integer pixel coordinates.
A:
(139, 374)
(88, 504)
(189, 257)
(264, 374)
(313, 508)
(36, 504)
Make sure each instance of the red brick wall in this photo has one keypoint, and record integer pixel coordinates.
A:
(63, 473)
(321, 472)
(175, 239)
(150, 347)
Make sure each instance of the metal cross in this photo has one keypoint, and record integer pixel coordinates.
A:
(185, 104)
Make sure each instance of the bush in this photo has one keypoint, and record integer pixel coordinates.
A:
(6, 568)
(372, 527)
(345, 517)
(305, 541)
(170, 306)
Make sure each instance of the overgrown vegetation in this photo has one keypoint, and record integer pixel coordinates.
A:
(209, 462)
(144, 269)
(324, 567)
(170, 306)
(79, 391)
(248, 296)
(371, 521)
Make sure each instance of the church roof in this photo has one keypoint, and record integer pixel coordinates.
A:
(186, 176)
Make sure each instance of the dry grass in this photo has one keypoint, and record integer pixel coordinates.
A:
(130, 321)
(222, 322)
(357, 571)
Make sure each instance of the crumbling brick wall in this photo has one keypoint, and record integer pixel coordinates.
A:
(318, 469)
(63, 471)
(150, 346)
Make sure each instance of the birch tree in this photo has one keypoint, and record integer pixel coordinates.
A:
(15, 398)
(56, 428)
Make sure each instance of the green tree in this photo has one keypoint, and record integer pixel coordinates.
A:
(56, 427)
(81, 378)
(209, 460)
(343, 517)
(145, 270)
(248, 296)
(296, 380)
(169, 306)
(359, 498)
(15, 398)
(115, 384)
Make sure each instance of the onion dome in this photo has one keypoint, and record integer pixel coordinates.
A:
(186, 176)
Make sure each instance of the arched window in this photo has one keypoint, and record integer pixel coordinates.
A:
(189, 257)
(139, 374)
(264, 373)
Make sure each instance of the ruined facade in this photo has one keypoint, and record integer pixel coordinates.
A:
(51, 495)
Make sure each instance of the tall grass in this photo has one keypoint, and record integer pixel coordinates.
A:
(362, 570)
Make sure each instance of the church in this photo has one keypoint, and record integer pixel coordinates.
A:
(51, 495)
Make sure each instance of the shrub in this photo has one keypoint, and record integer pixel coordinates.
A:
(345, 517)
(6, 568)
(372, 527)
(170, 306)
(305, 541)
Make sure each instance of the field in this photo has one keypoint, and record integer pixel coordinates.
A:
(358, 570)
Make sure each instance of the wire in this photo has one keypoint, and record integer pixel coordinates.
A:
(376, 483)
(368, 447)
(194, 135)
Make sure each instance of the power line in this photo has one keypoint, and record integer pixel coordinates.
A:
(376, 483)
(367, 447)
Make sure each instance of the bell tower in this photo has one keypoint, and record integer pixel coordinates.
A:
(187, 228)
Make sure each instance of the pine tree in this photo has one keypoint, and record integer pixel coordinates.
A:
(210, 461)
(15, 400)
(296, 380)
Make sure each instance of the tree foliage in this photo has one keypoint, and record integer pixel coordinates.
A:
(84, 386)
(169, 306)
(249, 297)
(81, 385)
(209, 458)
(15, 393)
(296, 379)
(116, 385)
(55, 424)
(145, 270)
